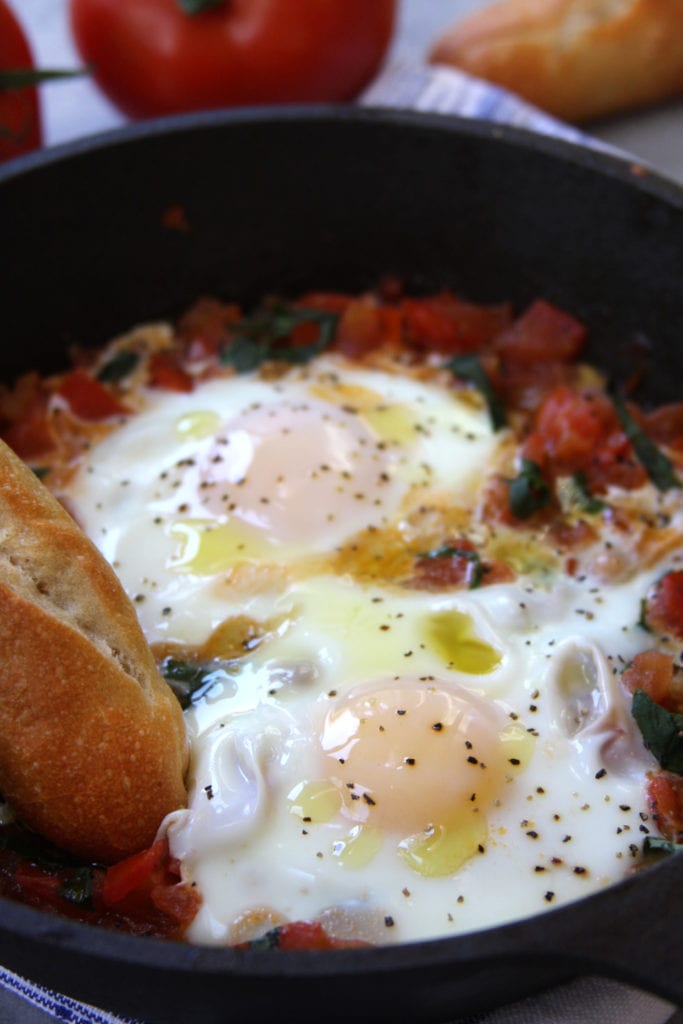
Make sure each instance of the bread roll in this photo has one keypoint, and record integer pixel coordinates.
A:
(576, 59)
(93, 749)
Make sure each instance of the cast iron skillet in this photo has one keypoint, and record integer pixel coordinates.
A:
(285, 200)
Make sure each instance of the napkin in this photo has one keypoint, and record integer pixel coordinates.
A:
(406, 85)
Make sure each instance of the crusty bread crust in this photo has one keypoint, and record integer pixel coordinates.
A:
(93, 748)
(577, 59)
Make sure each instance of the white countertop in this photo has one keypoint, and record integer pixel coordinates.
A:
(73, 108)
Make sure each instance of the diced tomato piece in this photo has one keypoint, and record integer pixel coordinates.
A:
(570, 427)
(302, 935)
(651, 671)
(88, 398)
(543, 333)
(664, 608)
(180, 902)
(445, 324)
(359, 329)
(204, 328)
(133, 873)
(32, 434)
(39, 884)
(459, 565)
(665, 799)
(166, 373)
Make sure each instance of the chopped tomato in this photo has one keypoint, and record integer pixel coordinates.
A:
(543, 333)
(149, 883)
(165, 372)
(359, 329)
(88, 398)
(458, 564)
(577, 431)
(569, 427)
(651, 671)
(665, 798)
(664, 608)
(31, 434)
(133, 873)
(443, 323)
(204, 328)
(302, 935)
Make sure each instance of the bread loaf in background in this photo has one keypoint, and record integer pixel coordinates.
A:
(576, 59)
(93, 749)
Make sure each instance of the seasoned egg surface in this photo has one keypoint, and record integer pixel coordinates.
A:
(393, 762)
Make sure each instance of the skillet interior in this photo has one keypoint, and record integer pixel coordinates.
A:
(284, 200)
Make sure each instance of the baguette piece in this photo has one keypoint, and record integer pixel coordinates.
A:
(93, 749)
(576, 59)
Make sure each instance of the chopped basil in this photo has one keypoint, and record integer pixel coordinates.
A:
(528, 492)
(41, 471)
(659, 468)
(662, 731)
(118, 367)
(642, 621)
(471, 556)
(188, 680)
(78, 888)
(263, 336)
(656, 844)
(197, 6)
(271, 940)
(470, 368)
(583, 497)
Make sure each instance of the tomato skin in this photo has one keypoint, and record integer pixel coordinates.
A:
(20, 125)
(152, 59)
(87, 398)
(664, 607)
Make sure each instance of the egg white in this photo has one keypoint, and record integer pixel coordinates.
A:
(562, 819)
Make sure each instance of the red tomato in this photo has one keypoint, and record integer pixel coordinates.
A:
(664, 608)
(20, 129)
(151, 58)
(89, 399)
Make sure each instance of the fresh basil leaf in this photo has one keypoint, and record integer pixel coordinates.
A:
(41, 471)
(656, 844)
(662, 731)
(197, 6)
(659, 468)
(118, 367)
(271, 940)
(263, 336)
(470, 368)
(188, 680)
(78, 888)
(583, 497)
(528, 492)
(471, 556)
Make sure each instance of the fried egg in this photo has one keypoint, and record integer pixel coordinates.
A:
(395, 763)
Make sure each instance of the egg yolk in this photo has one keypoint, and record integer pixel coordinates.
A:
(299, 471)
(407, 756)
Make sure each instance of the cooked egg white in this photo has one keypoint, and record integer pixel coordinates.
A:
(395, 763)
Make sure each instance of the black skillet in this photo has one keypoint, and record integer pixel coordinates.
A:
(335, 198)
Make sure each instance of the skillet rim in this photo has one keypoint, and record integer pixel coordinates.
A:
(488, 944)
